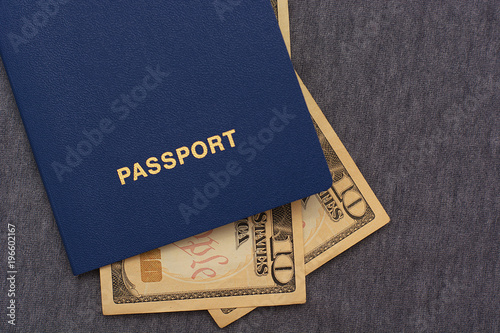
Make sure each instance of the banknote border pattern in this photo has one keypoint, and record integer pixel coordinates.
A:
(367, 218)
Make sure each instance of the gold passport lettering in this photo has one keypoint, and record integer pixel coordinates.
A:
(199, 150)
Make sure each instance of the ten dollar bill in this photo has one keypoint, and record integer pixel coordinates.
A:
(251, 262)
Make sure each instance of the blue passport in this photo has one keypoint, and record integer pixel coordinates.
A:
(153, 121)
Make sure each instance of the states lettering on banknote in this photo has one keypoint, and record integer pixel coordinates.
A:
(282, 246)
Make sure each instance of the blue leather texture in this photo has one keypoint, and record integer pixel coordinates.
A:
(107, 88)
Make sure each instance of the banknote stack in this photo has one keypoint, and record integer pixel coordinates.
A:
(258, 261)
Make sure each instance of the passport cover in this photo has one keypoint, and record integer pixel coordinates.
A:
(152, 121)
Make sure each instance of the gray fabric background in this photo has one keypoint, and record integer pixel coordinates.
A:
(412, 89)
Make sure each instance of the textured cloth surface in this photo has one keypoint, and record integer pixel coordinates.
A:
(412, 88)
